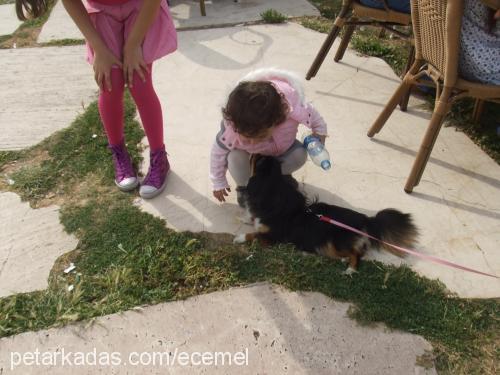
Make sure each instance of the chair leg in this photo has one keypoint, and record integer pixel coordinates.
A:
(349, 30)
(327, 44)
(403, 105)
(395, 99)
(478, 111)
(427, 144)
(389, 108)
(202, 8)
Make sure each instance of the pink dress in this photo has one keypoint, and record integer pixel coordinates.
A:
(114, 19)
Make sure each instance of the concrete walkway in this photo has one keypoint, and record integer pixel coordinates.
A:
(186, 14)
(30, 242)
(43, 90)
(279, 332)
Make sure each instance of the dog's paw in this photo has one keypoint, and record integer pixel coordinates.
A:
(240, 238)
(349, 271)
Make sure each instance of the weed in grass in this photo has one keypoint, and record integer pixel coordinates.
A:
(328, 8)
(273, 16)
(319, 24)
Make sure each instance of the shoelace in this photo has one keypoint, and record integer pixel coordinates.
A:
(122, 162)
(156, 170)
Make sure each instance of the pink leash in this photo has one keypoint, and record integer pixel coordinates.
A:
(408, 251)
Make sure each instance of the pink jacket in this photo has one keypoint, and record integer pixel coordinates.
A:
(283, 135)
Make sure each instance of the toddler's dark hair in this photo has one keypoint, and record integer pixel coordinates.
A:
(254, 107)
(32, 8)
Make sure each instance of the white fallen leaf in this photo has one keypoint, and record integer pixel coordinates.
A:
(70, 268)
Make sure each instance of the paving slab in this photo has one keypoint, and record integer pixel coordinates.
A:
(456, 206)
(30, 242)
(186, 14)
(8, 19)
(278, 332)
(43, 90)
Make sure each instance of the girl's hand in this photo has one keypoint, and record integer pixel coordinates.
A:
(220, 194)
(103, 61)
(133, 61)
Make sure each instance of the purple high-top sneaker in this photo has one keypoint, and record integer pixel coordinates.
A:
(156, 179)
(125, 176)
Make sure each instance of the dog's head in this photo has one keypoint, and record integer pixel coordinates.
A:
(270, 193)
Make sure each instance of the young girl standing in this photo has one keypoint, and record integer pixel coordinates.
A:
(261, 116)
(124, 37)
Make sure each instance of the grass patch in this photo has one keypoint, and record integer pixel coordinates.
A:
(394, 52)
(71, 155)
(273, 16)
(127, 258)
(7, 157)
(320, 24)
(63, 42)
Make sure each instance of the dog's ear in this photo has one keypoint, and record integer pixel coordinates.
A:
(267, 166)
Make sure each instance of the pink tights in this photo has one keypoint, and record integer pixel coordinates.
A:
(148, 104)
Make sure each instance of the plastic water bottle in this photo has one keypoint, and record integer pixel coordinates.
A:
(317, 151)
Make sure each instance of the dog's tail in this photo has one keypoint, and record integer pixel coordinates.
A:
(394, 227)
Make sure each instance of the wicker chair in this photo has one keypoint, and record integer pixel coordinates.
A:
(351, 15)
(436, 27)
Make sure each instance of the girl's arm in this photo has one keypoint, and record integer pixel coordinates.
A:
(132, 52)
(104, 59)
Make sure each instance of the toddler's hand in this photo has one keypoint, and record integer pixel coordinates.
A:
(103, 62)
(133, 61)
(320, 137)
(220, 194)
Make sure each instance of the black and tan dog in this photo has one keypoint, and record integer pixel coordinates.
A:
(282, 214)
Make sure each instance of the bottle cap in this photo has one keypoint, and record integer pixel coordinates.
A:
(326, 165)
(308, 139)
